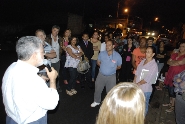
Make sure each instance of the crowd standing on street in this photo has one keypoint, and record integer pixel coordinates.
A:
(138, 61)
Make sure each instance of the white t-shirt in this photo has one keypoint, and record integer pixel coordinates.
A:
(103, 46)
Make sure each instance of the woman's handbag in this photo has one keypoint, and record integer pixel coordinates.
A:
(83, 66)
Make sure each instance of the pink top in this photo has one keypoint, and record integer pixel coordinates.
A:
(153, 70)
(65, 43)
(128, 57)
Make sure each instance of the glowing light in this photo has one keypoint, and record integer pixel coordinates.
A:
(125, 10)
(156, 19)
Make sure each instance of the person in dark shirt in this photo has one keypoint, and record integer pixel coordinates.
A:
(87, 48)
(161, 60)
(126, 69)
(161, 54)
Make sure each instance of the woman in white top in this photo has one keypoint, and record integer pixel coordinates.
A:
(73, 56)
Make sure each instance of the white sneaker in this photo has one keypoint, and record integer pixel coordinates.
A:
(94, 104)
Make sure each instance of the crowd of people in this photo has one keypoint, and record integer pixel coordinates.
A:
(132, 59)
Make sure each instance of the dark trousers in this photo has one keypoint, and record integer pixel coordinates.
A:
(42, 120)
(63, 69)
(56, 66)
(72, 78)
(85, 78)
(126, 72)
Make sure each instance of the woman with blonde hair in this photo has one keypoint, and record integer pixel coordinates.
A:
(124, 104)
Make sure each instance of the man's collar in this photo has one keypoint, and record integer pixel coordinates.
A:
(52, 36)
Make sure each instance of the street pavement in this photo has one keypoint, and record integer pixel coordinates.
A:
(157, 113)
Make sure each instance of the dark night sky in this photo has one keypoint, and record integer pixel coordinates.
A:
(170, 12)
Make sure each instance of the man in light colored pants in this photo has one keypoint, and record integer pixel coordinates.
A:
(108, 81)
(109, 61)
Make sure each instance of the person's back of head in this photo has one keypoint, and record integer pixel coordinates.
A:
(124, 104)
(26, 46)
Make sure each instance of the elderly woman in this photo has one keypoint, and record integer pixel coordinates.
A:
(146, 74)
(177, 65)
(73, 57)
(124, 99)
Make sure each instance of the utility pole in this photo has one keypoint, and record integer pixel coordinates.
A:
(118, 9)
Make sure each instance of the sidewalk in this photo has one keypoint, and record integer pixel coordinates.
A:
(157, 113)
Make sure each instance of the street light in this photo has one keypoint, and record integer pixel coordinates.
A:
(127, 12)
(156, 19)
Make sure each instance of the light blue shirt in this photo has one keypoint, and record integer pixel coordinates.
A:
(109, 63)
(47, 49)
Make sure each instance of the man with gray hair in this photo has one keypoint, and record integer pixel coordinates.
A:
(26, 96)
(49, 53)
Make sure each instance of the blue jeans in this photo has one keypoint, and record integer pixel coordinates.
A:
(160, 66)
(93, 62)
(72, 78)
(42, 120)
(147, 98)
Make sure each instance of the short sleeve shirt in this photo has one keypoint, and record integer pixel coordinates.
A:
(109, 63)
(70, 61)
(139, 56)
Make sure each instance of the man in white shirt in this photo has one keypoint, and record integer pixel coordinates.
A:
(26, 96)
(56, 42)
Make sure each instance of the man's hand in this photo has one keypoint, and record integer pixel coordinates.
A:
(53, 74)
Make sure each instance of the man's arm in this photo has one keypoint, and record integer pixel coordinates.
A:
(118, 67)
(48, 98)
(98, 62)
(51, 55)
(52, 76)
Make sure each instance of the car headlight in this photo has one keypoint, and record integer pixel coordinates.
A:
(153, 34)
(148, 33)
